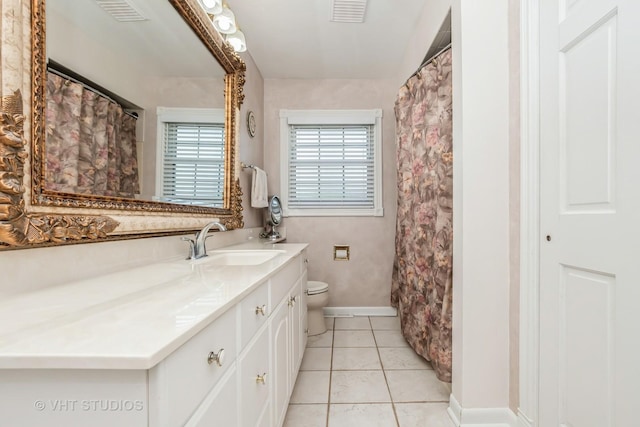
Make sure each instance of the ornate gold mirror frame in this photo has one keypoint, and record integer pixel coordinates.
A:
(31, 215)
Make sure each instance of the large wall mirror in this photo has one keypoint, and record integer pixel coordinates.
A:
(120, 102)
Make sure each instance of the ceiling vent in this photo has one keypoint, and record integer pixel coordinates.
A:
(121, 10)
(348, 10)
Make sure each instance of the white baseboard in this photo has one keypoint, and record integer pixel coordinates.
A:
(359, 311)
(523, 420)
(480, 417)
(454, 410)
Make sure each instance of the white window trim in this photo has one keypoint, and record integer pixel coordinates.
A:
(185, 115)
(328, 117)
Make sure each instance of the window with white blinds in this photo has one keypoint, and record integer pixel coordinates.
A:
(332, 163)
(192, 161)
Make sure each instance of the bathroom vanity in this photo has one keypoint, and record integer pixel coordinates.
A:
(215, 341)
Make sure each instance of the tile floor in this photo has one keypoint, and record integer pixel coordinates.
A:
(362, 372)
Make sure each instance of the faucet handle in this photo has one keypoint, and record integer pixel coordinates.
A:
(192, 246)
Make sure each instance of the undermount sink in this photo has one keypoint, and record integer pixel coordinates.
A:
(240, 257)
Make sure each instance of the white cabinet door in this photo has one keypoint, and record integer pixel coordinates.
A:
(254, 377)
(295, 320)
(220, 407)
(304, 333)
(280, 360)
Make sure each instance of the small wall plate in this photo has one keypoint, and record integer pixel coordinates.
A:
(251, 124)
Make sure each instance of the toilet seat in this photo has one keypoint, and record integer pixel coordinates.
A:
(314, 288)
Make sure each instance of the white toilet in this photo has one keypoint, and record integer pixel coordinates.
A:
(317, 299)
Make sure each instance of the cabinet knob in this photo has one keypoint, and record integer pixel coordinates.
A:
(216, 357)
(306, 261)
(261, 379)
(261, 309)
(292, 301)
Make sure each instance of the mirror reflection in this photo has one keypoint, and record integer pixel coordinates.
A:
(132, 110)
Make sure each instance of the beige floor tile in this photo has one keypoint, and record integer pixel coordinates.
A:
(316, 359)
(322, 340)
(306, 416)
(311, 387)
(355, 359)
(329, 322)
(387, 323)
(402, 358)
(386, 338)
(359, 387)
(353, 339)
(423, 414)
(416, 386)
(352, 323)
(371, 415)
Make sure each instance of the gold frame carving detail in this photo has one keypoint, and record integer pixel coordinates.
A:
(18, 228)
(75, 217)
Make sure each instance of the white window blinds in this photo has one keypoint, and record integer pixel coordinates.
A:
(193, 163)
(331, 166)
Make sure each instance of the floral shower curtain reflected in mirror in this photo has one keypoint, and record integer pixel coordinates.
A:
(91, 142)
(422, 271)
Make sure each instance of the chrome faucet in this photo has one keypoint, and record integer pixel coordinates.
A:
(198, 248)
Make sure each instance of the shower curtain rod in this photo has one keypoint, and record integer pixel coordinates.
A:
(427, 62)
(90, 88)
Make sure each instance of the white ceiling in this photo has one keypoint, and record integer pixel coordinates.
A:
(286, 38)
(295, 39)
(164, 43)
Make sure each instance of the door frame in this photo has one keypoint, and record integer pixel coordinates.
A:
(529, 213)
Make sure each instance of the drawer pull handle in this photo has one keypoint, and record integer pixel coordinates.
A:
(216, 357)
(261, 379)
(261, 309)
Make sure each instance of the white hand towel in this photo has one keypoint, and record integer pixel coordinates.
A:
(259, 193)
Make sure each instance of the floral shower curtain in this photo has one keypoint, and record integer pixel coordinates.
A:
(91, 142)
(422, 274)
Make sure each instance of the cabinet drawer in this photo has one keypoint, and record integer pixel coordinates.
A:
(254, 379)
(254, 311)
(179, 383)
(281, 282)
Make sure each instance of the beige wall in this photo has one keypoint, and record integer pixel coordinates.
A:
(481, 202)
(514, 202)
(251, 150)
(364, 280)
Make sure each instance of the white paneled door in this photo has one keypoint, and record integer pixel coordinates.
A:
(590, 213)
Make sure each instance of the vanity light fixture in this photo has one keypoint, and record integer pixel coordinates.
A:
(225, 21)
(237, 41)
(212, 7)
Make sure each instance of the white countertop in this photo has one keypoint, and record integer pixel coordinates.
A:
(127, 320)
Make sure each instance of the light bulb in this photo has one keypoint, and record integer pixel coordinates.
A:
(212, 7)
(225, 21)
(237, 41)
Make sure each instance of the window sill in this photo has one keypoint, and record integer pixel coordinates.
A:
(333, 212)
